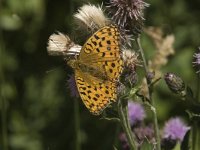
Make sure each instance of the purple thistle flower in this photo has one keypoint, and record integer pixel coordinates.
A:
(175, 129)
(136, 113)
(128, 15)
(197, 60)
(72, 86)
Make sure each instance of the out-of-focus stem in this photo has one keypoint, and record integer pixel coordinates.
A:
(195, 136)
(3, 101)
(4, 121)
(116, 137)
(76, 104)
(155, 120)
(77, 124)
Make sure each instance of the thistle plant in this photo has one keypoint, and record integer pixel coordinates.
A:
(133, 92)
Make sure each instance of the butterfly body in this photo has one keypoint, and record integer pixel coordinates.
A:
(96, 72)
(97, 69)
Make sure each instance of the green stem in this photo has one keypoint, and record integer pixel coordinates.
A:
(156, 128)
(77, 124)
(122, 110)
(150, 89)
(128, 121)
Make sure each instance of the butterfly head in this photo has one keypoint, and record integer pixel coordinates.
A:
(73, 63)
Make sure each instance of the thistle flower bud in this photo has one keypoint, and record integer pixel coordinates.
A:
(130, 78)
(175, 84)
(150, 76)
(197, 61)
(129, 75)
(144, 133)
(121, 89)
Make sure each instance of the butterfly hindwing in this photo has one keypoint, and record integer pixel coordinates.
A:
(95, 93)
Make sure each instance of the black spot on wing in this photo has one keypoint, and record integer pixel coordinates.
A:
(96, 37)
(108, 42)
(113, 65)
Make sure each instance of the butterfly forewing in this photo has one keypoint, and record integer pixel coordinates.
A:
(102, 51)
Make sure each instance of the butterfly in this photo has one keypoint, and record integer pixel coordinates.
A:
(97, 69)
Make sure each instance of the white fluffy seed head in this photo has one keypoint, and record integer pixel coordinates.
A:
(60, 44)
(91, 16)
(130, 57)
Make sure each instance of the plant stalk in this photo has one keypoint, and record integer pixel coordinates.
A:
(122, 110)
(150, 89)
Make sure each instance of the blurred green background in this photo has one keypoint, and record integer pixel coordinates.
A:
(37, 112)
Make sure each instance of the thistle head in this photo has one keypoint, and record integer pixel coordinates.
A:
(91, 16)
(174, 130)
(128, 14)
(196, 61)
(136, 113)
(130, 62)
(61, 45)
(175, 83)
